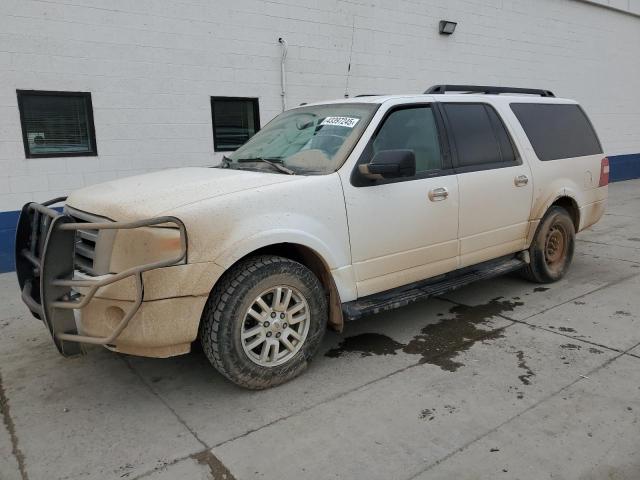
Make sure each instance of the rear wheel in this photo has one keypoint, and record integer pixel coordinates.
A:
(552, 248)
(264, 321)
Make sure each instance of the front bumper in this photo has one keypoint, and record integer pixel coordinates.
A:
(45, 243)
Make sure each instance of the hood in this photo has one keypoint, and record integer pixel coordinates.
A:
(160, 192)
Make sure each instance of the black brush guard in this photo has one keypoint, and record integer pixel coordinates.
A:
(45, 243)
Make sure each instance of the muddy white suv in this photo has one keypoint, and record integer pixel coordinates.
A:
(332, 212)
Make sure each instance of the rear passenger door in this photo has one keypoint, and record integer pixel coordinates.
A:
(495, 186)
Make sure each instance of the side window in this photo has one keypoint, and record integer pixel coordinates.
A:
(557, 130)
(412, 129)
(479, 135)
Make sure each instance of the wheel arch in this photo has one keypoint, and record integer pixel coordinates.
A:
(571, 206)
(561, 199)
(311, 259)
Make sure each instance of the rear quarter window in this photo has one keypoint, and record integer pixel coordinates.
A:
(557, 130)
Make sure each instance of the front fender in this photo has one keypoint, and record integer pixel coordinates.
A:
(237, 250)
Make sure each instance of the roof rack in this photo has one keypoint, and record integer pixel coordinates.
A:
(489, 90)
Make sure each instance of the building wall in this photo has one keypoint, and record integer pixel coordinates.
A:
(152, 65)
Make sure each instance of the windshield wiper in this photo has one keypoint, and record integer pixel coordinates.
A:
(274, 162)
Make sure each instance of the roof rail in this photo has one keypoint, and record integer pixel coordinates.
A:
(489, 90)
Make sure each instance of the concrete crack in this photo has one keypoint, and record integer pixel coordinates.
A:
(204, 457)
(11, 428)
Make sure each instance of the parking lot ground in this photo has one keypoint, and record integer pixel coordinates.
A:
(501, 379)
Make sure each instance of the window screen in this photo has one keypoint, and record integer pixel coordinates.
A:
(557, 130)
(412, 129)
(235, 120)
(479, 135)
(56, 124)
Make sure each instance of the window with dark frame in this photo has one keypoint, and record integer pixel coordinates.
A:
(479, 135)
(57, 124)
(235, 120)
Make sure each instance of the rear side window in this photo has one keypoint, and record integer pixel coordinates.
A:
(479, 136)
(557, 130)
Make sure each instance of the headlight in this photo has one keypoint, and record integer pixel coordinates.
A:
(139, 246)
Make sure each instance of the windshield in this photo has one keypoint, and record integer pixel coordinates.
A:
(308, 140)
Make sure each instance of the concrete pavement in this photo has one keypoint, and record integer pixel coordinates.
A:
(501, 379)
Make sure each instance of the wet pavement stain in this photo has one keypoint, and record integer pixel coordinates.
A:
(541, 289)
(217, 469)
(427, 414)
(430, 413)
(634, 239)
(571, 346)
(439, 343)
(567, 329)
(595, 350)
(524, 378)
(622, 312)
(366, 344)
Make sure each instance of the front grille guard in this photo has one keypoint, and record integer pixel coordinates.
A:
(45, 242)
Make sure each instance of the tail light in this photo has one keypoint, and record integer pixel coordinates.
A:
(604, 172)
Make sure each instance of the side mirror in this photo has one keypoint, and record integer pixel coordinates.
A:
(390, 164)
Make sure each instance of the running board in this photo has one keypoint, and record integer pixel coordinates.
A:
(414, 292)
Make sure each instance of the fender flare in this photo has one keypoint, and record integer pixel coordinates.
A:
(534, 221)
(238, 250)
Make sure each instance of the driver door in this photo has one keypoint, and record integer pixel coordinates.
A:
(406, 229)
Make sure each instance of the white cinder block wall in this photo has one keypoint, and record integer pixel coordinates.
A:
(152, 66)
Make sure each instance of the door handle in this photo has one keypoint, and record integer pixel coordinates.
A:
(438, 194)
(521, 180)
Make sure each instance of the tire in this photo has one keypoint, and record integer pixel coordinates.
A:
(226, 316)
(552, 248)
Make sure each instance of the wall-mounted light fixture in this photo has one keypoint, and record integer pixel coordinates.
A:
(447, 27)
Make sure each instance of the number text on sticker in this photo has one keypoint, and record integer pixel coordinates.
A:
(348, 122)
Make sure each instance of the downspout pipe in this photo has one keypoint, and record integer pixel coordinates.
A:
(283, 74)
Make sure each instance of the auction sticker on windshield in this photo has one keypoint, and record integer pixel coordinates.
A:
(348, 122)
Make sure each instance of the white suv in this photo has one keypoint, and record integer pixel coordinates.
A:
(331, 212)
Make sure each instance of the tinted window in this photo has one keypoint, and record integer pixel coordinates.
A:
(235, 120)
(412, 129)
(557, 131)
(479, 135)
(56, 123)
(504, 141)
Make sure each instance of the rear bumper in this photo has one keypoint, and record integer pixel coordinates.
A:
(45, 243)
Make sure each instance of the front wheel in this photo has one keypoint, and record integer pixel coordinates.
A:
(263, 322)
(552, 248)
